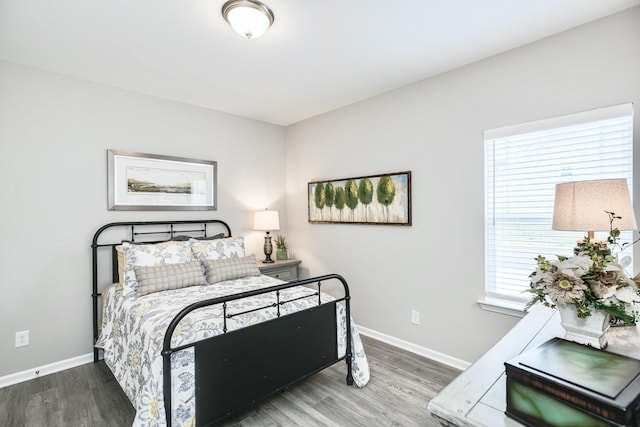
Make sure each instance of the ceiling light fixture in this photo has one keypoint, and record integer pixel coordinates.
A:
(249, 18)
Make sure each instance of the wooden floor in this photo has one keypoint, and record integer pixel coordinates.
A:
(401, 385)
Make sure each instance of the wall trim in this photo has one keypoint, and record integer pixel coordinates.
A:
(416, 349)
(503, 306)
(40, 371)
(73, 362)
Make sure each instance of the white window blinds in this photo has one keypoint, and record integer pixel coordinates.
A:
(523, 163)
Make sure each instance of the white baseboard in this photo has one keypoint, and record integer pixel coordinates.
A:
(40, 371)
(413, 348)
(52, 368)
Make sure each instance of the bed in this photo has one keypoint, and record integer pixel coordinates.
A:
(194, 333)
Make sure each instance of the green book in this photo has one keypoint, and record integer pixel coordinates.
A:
(562, 383)
(601, 372)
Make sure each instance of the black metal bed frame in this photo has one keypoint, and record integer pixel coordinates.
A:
(238, 368)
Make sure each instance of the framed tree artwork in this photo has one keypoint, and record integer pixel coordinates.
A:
(374, 199)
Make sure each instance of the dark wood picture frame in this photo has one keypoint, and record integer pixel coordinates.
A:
(383, 199)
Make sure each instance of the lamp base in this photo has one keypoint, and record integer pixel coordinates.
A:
(268, 250)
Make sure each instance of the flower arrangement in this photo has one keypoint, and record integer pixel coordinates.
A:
(593, 279)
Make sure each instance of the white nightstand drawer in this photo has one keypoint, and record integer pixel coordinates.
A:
(287, 274)
(283, 270)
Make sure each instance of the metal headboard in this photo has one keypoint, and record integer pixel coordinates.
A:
(111, 235)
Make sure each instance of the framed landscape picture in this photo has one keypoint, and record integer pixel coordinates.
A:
(375, 199)
(138, 181)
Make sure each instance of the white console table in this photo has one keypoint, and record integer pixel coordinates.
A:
(477, 397)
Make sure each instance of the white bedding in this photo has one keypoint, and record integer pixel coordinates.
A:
(133, 328)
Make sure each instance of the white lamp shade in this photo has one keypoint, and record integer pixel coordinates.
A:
(583, 206)
(266, 220)
(248, 18)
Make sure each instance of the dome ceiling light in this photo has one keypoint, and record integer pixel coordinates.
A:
(249, 18)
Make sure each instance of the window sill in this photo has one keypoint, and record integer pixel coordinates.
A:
(503, 306)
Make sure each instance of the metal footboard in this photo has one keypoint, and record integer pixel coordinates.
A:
(237, 368)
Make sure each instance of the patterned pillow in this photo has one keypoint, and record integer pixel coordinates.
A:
(170, 276)
(151, 255)
(175, 240)
(231, 247)
(219, 270)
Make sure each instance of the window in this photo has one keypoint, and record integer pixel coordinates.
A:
(523, 163)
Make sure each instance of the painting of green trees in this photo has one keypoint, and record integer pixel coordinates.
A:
(374, 199)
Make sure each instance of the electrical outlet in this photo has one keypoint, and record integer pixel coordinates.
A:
(22, 338)
(415, 317)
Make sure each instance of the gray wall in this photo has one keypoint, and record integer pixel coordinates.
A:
(54, 136)
(55, 130)
(435, 129)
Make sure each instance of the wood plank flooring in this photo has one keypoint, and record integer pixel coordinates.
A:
(401, 385)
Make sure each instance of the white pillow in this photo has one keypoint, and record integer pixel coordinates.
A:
(151, 255)
(231, 247)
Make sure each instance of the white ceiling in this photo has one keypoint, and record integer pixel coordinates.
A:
(316, 57)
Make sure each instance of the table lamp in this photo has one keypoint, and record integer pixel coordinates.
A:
(266, 220)
(584, 206)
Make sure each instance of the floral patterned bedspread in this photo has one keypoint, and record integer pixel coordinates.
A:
(133, 329)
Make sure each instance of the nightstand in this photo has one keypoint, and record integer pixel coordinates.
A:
(283, 270)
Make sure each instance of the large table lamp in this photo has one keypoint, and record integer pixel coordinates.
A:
(266, 220)
(584, 206)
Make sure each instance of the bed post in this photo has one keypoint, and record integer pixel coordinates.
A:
(94, 296)
(348, 354)
(166, 384)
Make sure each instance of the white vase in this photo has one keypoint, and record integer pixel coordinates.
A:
(589, 330)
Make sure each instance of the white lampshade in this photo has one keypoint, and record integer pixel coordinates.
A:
(266, 220)
(249, 18)
(583, 206)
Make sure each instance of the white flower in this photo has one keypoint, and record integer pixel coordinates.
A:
(565, 289)
(611, 291)
(621, 276)
(626, 294)
(612, 266)
(575, 266)
(540, 278)
(625, 261)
